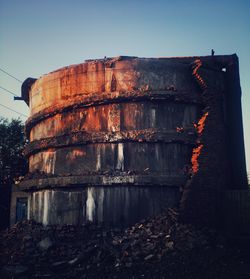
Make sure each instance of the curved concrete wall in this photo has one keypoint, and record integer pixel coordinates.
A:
(117, 129)
(114, 75)
(111, 206)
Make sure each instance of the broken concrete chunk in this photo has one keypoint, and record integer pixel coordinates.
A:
(45, 244)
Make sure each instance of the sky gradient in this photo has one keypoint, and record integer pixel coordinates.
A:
(37, 37)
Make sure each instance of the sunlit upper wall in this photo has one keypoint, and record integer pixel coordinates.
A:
(96, 77)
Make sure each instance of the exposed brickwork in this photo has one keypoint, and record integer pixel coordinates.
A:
(210, 160)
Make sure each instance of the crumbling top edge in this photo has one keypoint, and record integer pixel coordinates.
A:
(221, 60)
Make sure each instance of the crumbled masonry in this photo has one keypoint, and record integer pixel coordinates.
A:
(159, 247)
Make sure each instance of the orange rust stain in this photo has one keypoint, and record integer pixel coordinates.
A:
(194, 159)
(132, 114)
(201, 124)
(92, 121)
(75, 153)
(50, 150)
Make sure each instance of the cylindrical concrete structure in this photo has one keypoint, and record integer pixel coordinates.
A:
(112, 130)
(110, 140)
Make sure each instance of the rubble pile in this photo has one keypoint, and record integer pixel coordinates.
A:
(159, 247)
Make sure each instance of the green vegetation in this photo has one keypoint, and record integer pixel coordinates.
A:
(13, 165)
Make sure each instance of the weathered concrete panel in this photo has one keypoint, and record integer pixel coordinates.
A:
(162, 158)
(113, 206)
(57, 207)
(97, 76)
(118, 117)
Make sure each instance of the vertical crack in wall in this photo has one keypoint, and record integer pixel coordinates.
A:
(195, 156)
(190, 192)
(201, 123)
(209, 168)
(196, 66)
(197, 150)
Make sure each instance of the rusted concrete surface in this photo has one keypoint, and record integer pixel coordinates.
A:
(96, 77)
(187, 136)
(162, 158)
(139, 122)
(129, 116)
(115, 115)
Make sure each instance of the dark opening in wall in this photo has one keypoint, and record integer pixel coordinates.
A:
(21, 209)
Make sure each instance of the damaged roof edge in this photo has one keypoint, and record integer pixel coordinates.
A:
(26, 88)
(223, 60)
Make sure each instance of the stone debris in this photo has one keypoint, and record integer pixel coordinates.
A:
(151, 248)
(45, 244)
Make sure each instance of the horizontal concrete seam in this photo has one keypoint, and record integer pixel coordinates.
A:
(102, 180)
(82, 138)
(109, 98)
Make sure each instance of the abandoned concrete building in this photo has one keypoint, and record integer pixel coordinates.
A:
(119, 139)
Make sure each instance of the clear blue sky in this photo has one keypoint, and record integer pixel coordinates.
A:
(37, 37)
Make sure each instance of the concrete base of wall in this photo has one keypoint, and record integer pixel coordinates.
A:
(111, 205)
